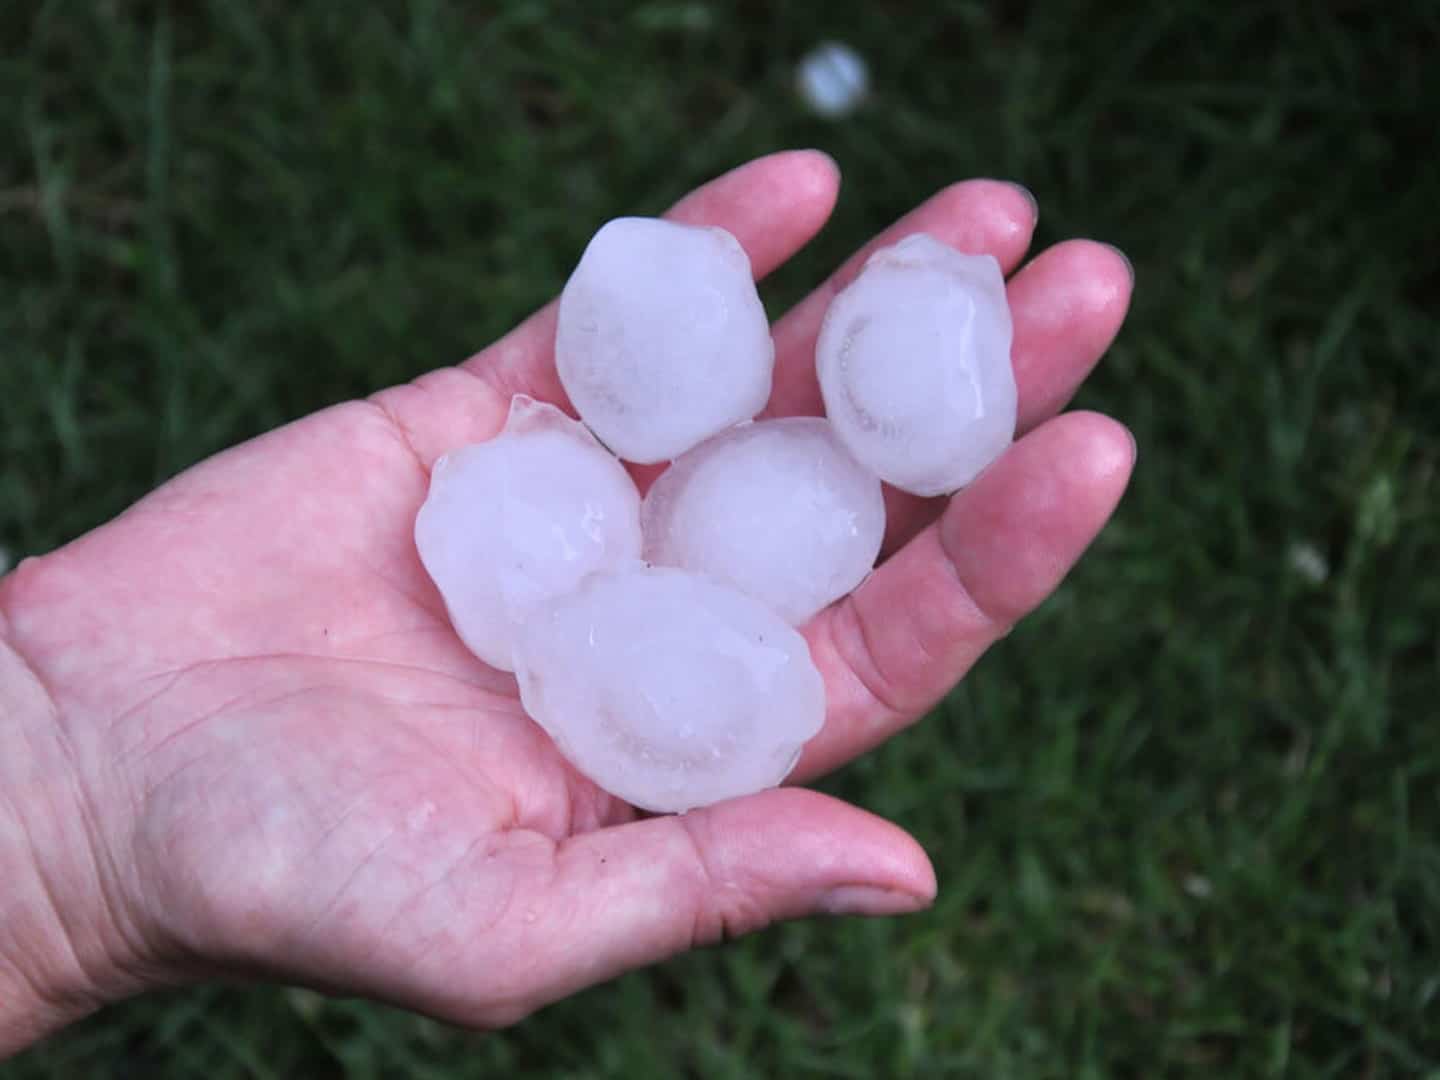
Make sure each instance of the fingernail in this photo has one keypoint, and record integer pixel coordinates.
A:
(868, 900)
(1134, 447)
(1029, 197)
(1129, 266)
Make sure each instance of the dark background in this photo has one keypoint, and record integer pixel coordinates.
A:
(1185, 819)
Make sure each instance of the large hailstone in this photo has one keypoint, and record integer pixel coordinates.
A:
(668, 690)
(662, 340)
(914, 365)
(778, 508)
(514, 522)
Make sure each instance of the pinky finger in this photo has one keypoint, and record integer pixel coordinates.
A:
(897, 644)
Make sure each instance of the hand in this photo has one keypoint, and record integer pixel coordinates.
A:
(252, 744)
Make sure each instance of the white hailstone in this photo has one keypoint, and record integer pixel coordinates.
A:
(778, 508)
(668, 690)
(662, 340)
(832, 79)
(1305, 559)
(914, 365)
(511, 523)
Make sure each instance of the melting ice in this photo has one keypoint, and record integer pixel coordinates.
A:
(914, 365)
(669, 690)
(778, 508)
(662, 340)
(512, 523)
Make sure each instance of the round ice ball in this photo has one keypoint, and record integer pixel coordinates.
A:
(662, 340)
(914, 365)
(668, 690)
(832, 79)
(777, 508)
(511, 523)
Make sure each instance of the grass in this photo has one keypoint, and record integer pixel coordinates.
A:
(1186, 819)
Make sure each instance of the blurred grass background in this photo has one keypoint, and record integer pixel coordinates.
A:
(1186, 819)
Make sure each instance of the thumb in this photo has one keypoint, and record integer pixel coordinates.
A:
(635, 894)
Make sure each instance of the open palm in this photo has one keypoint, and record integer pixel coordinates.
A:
(295, 770)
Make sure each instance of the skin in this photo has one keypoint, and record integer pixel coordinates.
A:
(243, 742)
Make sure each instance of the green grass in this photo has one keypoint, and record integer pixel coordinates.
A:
(1186, 820)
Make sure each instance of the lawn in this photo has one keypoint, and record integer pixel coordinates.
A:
(1186, 819)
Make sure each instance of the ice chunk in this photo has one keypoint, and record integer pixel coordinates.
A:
(662, 340)
(833, 79)
(511, 523)
(914, 365)
(778, 508)
(668, 690)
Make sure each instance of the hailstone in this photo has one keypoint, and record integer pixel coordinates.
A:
(669, 690)
(833, 79)
(512, 523)
(662, 340)
(777, 508)
(914, 365)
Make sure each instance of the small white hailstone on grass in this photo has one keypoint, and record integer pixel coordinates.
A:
(514, 522)
(833, 79)
(1309, 562)
(668, 690)
(778, 508)
(914, 365)
(662, 340)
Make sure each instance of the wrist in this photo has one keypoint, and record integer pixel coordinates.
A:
(62, 951)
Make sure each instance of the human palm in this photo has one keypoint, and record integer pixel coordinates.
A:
(296, 770)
